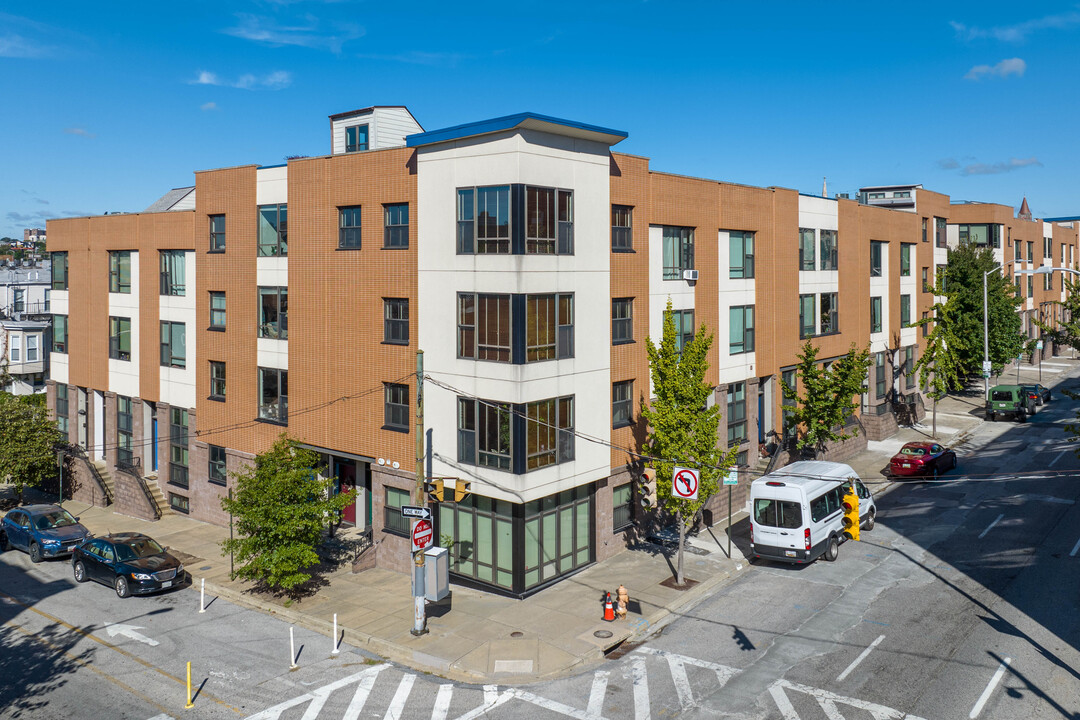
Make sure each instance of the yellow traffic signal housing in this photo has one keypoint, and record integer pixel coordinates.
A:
(434, 490)
(647, 488)
(850, 504)
(461, 490)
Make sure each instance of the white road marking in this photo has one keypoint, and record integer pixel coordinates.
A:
(991, 526)
(595, 707)
(682, 683)
(163, 716)
(1076, 548)
(442, 702)
(359, 698)
(552, 705)
(128, 631)
(787, 710)
(989, 689)
(397, 705)
(365, 676)
(824, 697)
(1060, 455)
(862, 656)
(641, 688)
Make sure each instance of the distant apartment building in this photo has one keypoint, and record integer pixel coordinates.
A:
(529, 262)
(25, 321)
(33, 235)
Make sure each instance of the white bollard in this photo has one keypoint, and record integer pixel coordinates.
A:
(292, 651)
(335, 650)
(202, 596)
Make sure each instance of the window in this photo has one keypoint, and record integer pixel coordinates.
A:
(394, 521)
(622, 230)
(876, 249)
(830, 321)
(807, 257)
(120, 338)
(905, 259)
(217, 233)
(48, 298)
(484, 327)
(1030, 251)
(484, 433)
(217, 310)
(622, 321)
(909, 367)
(274, 313)
(940, 238)
(217, 380)
(216, 471)
(396, 226)
(396, 321)
(274, 395)
(876, 196)
(879, 374)
(939, 272)
(349, 227)
(120, 271)
(684, 328)
(1048, 281)
(905, 311)
(483, 224)
(60, 334)
(123, 431)
(1030, 292)
(736, 413)
(829, 258)
(1048, 247)
(548, 221)
(179, 503)
(807, 319)
(59, 270)
(173, 345)
(788, 400)
(622, 398)
(622, 504)
(549, 327)
(875, 314)
(62, 408)
(678, 251)
(926, 287)
(18, 300)
(396, 410)
(1018, 251)
(740, 254)
(15, 348)
(741, 329)
(178, 447)
(273, 230)
(32, 348)
(172, 272)
(549, 432)
(356, 138)
(924, 224)
(778, 513)
(486, 330)
(925, 325)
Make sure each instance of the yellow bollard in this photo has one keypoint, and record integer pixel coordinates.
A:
(189, 703)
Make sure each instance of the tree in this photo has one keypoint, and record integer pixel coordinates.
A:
(28, 439)
(826, 400)
(964, 280)
(1067, 330)
(940, 366)
(280, 507)
(682, 429)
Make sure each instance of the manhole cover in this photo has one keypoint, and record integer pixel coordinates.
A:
(602, 634)
(517, 633)
(206, 567)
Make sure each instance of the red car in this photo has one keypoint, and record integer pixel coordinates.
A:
(925, 459)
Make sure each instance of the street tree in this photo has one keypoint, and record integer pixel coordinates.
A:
(280, 507)
(968, 264)
(940, 366)
(28, 439)
(824, 396)
(1067, 330)
(682, 427)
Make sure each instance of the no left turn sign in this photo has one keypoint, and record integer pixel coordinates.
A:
(684, 483)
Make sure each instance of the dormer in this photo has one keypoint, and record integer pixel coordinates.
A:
(373, 128)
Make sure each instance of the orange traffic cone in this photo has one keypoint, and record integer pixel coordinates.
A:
(609, 610)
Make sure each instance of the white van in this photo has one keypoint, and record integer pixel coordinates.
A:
(796, 512)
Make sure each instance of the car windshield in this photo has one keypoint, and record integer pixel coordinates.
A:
(1001, 395)
(55, 519)
(912, 451)
(134, 549)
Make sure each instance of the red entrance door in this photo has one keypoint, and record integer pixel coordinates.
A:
(347, 478)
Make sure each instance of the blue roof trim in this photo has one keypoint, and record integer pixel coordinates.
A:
(267, 167)
(1071, 218)
(508, 122)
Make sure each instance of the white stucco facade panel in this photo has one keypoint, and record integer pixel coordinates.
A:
(124, 374)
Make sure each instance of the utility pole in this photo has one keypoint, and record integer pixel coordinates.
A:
(419, 611)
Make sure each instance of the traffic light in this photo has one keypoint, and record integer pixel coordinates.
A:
(646, 488)
(850, 503)
(461, 490)
(434, 489)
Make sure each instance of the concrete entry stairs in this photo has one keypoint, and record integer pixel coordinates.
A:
(106, 476)
(159, 497)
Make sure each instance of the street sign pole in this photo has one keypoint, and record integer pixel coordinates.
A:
(419, 617)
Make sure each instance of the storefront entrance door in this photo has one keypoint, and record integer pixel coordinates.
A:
(347, 479)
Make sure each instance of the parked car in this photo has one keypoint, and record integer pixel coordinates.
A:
(924, 459)
(132, 563)
(1041, 393)
(1009, 400)
(44, 531)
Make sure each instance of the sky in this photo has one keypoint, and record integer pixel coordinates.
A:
(109, 105)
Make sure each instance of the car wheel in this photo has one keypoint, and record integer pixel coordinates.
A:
(933, 474)
(1022, 417)
(122, 588)
(993, 417)
(35, 553)
(1049, 397)
(80, 572)
(869, 524)
(832, 549)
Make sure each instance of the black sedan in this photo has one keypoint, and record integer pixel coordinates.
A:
(1039, 393)
(132, 563)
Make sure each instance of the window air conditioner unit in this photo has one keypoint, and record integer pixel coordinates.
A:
(689, 274)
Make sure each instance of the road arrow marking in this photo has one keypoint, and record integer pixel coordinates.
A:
(129, 631)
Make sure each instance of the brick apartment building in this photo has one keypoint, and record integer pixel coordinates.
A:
(528, 261)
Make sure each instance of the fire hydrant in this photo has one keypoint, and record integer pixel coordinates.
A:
(624, 598)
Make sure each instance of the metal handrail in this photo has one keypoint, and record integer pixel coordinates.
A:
(132, 468)
(80, 452)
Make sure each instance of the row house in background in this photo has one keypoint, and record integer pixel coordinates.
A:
(529, 262)
(25, 336)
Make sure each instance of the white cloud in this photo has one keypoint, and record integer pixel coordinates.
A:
(1020, 31)
(273, 81)
(1005, 68)
(208, 106)
(1000, 167)
(306, 34)
(79, 131)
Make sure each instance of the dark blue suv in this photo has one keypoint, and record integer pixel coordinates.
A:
(44, 531)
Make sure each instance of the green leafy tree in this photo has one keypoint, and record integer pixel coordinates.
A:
(280, 507)
(826, 398)
(940, 366)
(1067, 330)
(964, 280)
(28, 439)
(682, 430)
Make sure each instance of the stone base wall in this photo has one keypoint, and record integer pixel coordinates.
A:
(130, 499)
(395, 551)
(877, 427)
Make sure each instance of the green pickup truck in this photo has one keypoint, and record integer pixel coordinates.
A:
(1009, 400)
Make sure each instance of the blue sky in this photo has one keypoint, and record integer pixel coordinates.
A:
(109, 105)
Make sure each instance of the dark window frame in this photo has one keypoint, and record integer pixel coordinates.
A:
(905, 259)
(217, 313)
(393, 521)
(807, 249)
(876, 314)
(217, 232)
(396, 407)
(741, 251)
(678, 251)
(58, 272)
(120, 271)
(279, 245)
(396, 321)
(355, 144)
(396, 226)
(622, 321)
(216, 472)
(622, 508)
(217, 380)
(622, 228)
(125, 431)
(278, 327)
(169, 336)
(745, 343)
(877, 258)
(118, 328)
(737, 426)
(278, 411)
(179, 451)
(830, 249)
(60, 334)
(350, 226)
(173, 263)
(622, 403)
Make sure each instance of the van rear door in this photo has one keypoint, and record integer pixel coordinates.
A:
(777, 527)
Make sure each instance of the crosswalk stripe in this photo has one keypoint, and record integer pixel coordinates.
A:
(442, 702)
(641, 688)
(595, 708)
(359, 698)
(397, 705)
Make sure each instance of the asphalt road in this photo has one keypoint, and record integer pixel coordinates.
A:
(961, 603)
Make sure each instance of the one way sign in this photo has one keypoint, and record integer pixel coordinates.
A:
(415, 511)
